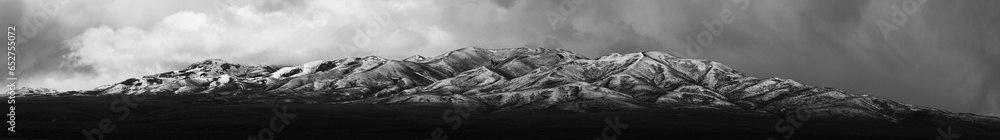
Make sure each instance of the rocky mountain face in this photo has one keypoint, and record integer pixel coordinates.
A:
(524, 79)
(28, 91)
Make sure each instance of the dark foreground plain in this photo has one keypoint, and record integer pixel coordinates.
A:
(175, 117)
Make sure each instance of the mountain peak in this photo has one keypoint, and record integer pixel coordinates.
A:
(207, 63)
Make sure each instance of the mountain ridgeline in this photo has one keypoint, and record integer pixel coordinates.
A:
(526, 79)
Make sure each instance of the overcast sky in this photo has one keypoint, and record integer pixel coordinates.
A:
(937, 53)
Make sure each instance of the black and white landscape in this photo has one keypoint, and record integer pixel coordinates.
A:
(502, 69)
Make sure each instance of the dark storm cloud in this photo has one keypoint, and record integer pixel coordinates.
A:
(944, 56)
(42, 56)
(506, 4)
(39, 40)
